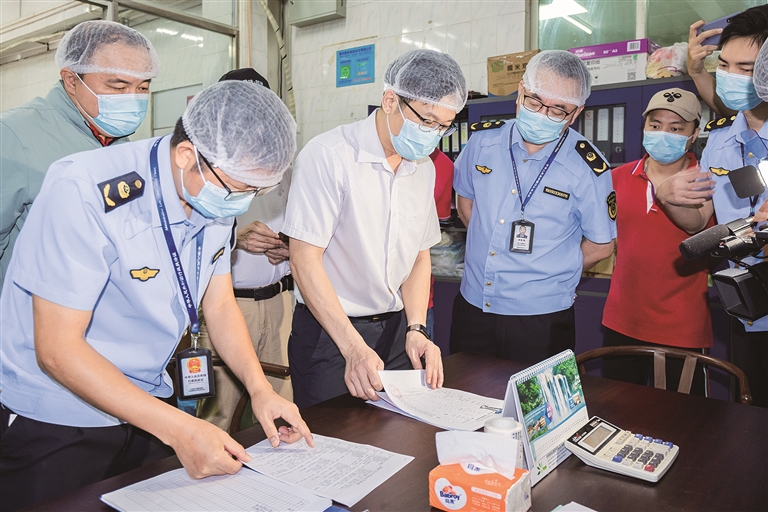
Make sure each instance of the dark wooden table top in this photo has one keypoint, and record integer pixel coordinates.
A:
(722, 465)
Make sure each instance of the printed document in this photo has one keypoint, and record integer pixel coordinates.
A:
(336, 469)
(406, 392)
(245, 490)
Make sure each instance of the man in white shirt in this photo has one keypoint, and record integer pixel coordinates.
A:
(361, 217)
(261, 277)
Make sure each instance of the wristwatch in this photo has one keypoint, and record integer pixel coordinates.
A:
(420, 328)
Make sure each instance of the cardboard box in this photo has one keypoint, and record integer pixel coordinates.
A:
(468, 487)
(506, 71)
(612, 63)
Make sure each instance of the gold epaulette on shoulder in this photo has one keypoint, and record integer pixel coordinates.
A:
(486, 125)
(121, 190)
(716, 124)
(592, 157)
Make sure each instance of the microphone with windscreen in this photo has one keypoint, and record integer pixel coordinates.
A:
(705, 242)
(732, 240)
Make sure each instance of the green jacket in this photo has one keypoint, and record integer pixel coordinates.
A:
(32, 137)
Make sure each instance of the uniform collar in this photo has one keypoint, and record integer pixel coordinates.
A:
(176, 213)
(742, 127)
(517, 139)
(370, 149)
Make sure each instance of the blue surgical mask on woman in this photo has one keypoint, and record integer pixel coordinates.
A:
(665, 147)
(537, 128)
(413, 143)
(737, 91)
(210, 202)
(119, 114)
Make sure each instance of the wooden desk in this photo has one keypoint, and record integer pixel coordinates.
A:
(722, 465)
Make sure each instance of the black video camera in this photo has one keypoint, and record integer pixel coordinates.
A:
(743, 289)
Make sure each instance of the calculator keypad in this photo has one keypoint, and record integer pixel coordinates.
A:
(637, 451)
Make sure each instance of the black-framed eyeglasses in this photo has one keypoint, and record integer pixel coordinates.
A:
(428, 125)
(234, 195)
(554, 113)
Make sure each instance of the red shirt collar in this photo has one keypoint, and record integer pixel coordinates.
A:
(103, 139)
(640, 165)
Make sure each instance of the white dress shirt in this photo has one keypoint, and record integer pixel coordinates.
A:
(372, 222)
(254, 270)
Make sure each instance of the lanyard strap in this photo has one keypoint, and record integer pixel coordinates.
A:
(539, 177)
(175, 258)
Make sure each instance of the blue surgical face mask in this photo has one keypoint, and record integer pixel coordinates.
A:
(210, 201)
(537, 128)
(413, 143)
(665, 147)
(119, 114)
(737, 91)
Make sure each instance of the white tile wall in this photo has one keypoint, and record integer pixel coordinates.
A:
(23, 80)
(469, 30)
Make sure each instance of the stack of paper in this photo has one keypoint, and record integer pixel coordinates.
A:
(291, 477)
(406, 392)
(246, 490)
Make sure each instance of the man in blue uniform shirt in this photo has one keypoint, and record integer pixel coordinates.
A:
(102, 97)
(691, 204)
(516, 299)
(123, 246)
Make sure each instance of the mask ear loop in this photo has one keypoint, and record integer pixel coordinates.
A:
(199, 168)
(82, 109)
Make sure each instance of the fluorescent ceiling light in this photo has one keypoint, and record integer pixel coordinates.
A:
(166, 31)
(191, 37)
(560, 9)
(578, 24)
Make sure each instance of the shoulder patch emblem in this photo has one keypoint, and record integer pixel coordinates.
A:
(217, 255)
(121, 190)
(483, 169)
(487, 125)
(719, 171)
(143, 274)
(723, 122)
(557, 193)
(593, 158)
(611, 200)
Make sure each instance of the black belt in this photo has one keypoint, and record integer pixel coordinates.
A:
(266, 292)
(381, 317)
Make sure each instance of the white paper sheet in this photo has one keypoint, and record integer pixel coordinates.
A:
(246, 490)
(446, 408)
(343, 471)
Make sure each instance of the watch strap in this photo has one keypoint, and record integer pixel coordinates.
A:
(420, 328)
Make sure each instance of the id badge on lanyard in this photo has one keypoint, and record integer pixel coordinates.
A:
(194, 372)
(521, 237)
(194, 366)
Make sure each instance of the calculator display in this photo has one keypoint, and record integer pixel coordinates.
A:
(597, 436)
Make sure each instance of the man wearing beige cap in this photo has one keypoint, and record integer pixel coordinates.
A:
(656, 297)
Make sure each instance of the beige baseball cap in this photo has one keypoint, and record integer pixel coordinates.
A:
(681, 102)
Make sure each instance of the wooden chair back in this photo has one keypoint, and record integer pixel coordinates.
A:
(660, 355)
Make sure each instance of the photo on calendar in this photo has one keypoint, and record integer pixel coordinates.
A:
(550, 397)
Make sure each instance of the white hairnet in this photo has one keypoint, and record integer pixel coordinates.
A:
(244, 129)
(428, 76)
(558, 75)
(760, 73)
(81, 50)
